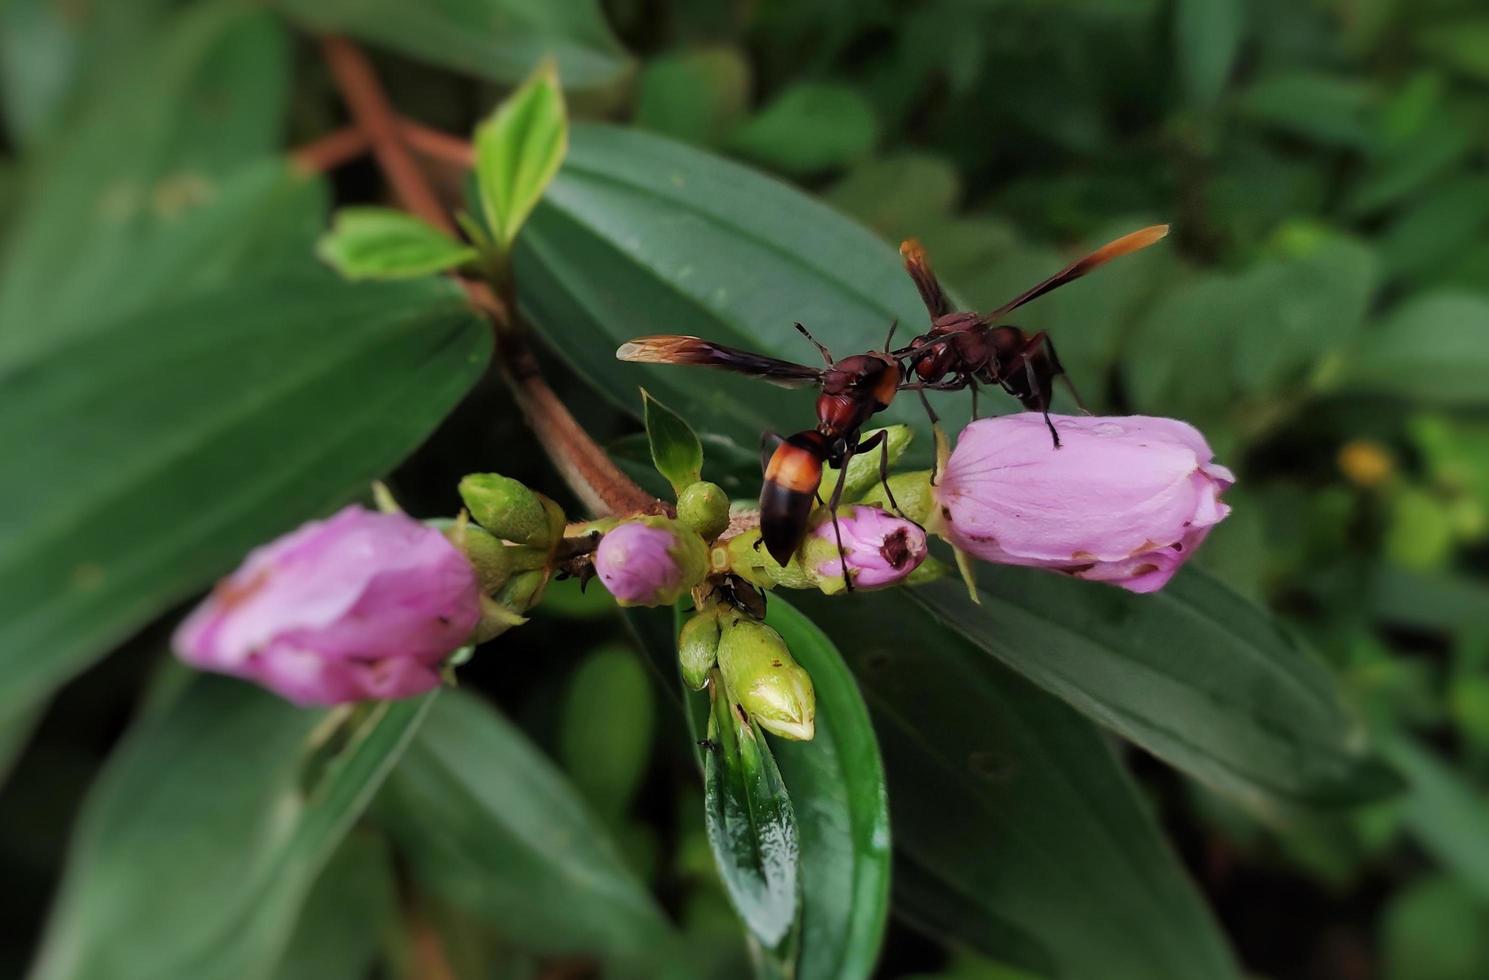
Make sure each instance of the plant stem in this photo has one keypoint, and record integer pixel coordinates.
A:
(589, 472)
(330, 151)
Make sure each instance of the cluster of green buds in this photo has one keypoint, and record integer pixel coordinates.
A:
(750, 666)
(514, 538)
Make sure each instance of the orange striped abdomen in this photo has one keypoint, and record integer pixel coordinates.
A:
(790, 489)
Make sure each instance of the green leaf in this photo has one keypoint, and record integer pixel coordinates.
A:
(381, 243)
(148, 456)
(808, 128)
(1433, 348)
(1435, 929)
(341, 926)
(184, 866)
(502, 40)
(606, 735)
(639, 234)
(1016, 829)
(1449, 819)
(1207, 38)
(1461, 44)
(898, 195)
(675, 450)
(836, 782)
(163, 185)
(696, 96)
(16, 726)
(491, 826)
(1194, 674)
(1325, 109)
(751, 827)
(518, 150)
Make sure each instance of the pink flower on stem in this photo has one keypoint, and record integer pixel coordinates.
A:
(879, 548)
(650, 561)
(1125, 500)
(361, 605)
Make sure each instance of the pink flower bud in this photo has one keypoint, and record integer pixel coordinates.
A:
(361, 605)
(880, 549)
(650, 561)
(1124, 500)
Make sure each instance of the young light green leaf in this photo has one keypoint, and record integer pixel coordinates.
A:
(675, 449)
(381, 243)
(751, 826)
(518, 150)
(184, 867)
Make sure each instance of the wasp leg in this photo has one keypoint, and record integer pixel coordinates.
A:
(893, 326)
(832, 509)
(971, 383)
(826, 354)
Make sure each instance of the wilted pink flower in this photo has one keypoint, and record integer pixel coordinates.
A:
(650, 561)
(1125, 500)
(361, 605)
(880, 549)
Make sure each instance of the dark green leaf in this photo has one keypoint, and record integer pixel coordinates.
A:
(491, 826)
(162, 186)
(1433, 348)
(150, 455)
(518, 150)
(1194, 674)
(1017, 830)
(1443, 812)
(836, 782)
(1207, 38)
(696, 96)
(381, 243)
(898, 195)
(809, 128)
(498, 39)
(639, 235)
(675, 450)
(1461, 44)
(751, 827)
(1326, 109)
(606, 736)
(198, 845)
(341, 926)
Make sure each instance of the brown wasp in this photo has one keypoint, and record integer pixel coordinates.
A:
(852, 390)
(963, 348)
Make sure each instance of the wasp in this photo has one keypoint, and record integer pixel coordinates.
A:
(852, 390)
(964, 348)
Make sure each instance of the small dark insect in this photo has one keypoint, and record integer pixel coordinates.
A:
(708, 745)
(741, 595)
(964, 348)
(853, 389)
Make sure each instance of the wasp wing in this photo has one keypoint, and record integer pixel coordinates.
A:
(1126, 245)
(678, 349)
(926, 282)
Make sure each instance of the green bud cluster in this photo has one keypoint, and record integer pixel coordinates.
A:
(511, 545)
(698, 646)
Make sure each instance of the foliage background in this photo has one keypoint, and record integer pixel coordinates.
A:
(1323, 315)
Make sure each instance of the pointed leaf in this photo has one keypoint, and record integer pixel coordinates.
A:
(518, 150)
(490, 825)
(182, 866)
(147, 458)
(675, 450)
(1018, 831)
(381, 243)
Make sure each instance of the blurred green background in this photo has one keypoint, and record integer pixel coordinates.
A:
(1322, 315)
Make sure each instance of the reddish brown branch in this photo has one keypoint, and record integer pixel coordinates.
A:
(589, 472)
(330, 151)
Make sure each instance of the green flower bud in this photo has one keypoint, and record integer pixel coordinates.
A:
(489, 556)
(698, 647)
(863, 468)
(524, 590)
(510, 510)
(495, 620)
(704, 507)
(912, 491)
(761, 676)
(748, 559)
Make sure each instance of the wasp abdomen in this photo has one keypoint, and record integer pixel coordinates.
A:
(791, 479)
